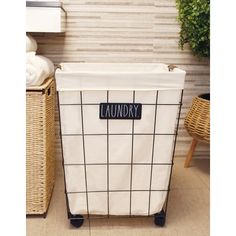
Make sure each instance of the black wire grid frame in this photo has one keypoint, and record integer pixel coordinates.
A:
(88, 216)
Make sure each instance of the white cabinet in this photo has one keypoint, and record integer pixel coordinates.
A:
(45, 17)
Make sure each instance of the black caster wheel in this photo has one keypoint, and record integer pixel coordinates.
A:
(160, 218)
(77, 221)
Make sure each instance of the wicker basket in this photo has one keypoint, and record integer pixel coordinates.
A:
(197, 121)
(40, 151)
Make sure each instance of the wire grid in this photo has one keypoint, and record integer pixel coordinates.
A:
(108, 164)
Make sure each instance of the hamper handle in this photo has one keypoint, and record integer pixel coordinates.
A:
(49, 91)
(171, 67)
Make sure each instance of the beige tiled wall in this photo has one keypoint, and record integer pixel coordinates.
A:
(128, 31)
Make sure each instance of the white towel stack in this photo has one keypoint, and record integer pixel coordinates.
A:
(38, 68)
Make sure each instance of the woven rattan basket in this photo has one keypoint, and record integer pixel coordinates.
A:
(40, 151)
(197, 121)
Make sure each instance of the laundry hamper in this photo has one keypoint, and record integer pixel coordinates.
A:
(119, 124)
(40, 151)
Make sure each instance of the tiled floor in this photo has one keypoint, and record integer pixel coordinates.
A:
(188, 210)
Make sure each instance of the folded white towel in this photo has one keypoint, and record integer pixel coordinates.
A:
(31, 44)
(38, 68)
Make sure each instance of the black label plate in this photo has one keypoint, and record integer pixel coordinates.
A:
(120, 111)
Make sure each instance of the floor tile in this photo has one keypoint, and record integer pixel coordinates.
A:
(186, 178)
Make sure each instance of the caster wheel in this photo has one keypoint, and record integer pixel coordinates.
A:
(77, 222)
(160, 218)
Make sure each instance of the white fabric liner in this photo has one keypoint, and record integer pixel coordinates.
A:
(118, 76)
(119, 151)
(120, 146)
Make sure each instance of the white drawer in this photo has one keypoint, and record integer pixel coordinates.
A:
(45, 18)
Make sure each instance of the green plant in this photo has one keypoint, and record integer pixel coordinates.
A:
(194, 17)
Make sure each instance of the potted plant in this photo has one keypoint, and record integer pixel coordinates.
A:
(194, 18)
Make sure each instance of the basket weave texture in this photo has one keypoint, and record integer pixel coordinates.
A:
(197, 121)
(40, 151)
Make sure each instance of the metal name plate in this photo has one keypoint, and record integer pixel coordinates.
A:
(120, 111)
